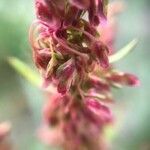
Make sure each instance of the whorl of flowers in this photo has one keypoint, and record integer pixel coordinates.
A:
(71, 54)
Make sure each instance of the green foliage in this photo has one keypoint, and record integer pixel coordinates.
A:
(123, 52)
(28, 73)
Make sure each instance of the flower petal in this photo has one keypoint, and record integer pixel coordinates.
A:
(81, 4)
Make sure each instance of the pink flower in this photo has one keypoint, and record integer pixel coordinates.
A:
(81, 4)
(98, 12)
(47, 13)
(101, 111)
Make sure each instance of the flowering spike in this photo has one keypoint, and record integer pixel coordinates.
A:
(74, 56)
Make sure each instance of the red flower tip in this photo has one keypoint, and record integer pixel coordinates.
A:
(132, 80)
(123, 79)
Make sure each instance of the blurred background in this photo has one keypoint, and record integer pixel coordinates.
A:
(21, 102)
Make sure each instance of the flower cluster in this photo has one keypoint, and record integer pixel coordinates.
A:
(66, 42)
(72, 55)
(78, 122)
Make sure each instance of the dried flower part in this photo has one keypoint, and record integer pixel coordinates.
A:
(73, 54)
(101, 52)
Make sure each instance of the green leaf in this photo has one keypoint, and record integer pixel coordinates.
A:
(123, 52)
(28, 73)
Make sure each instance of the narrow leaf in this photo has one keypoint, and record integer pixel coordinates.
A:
(123, 52)
(25, 71)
